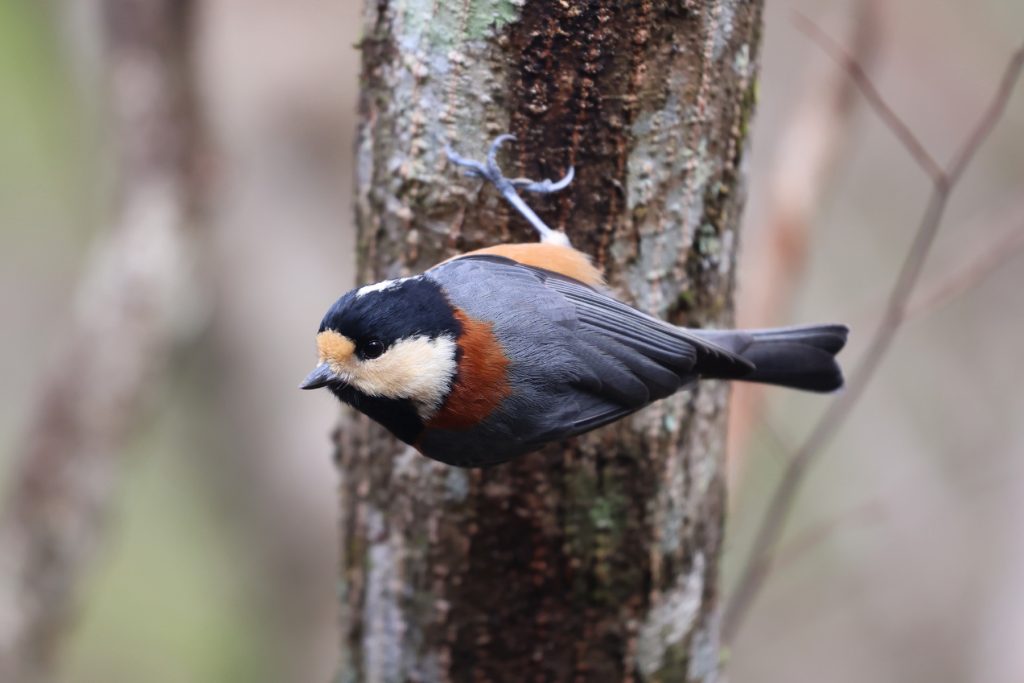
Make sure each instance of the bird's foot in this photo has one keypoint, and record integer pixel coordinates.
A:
(490, 171)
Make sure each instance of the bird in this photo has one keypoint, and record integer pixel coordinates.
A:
(497, 352)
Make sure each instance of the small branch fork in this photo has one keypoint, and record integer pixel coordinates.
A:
(944, 179)
(508, 187)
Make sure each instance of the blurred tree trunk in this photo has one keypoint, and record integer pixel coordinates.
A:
(597, 559)
(116, 341)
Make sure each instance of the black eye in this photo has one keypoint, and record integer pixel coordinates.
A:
(373, 348)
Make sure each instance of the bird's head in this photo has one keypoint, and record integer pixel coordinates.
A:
(390, 350)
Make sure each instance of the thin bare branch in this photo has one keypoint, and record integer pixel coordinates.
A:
(1005, 222)
(999, 253)
(856, 72)
(761, 558)
(989, 119)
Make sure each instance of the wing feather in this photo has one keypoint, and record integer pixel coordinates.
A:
(602, 309)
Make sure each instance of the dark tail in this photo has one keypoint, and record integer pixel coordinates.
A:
(796, 357)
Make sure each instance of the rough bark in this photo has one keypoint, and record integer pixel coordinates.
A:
(596, 559)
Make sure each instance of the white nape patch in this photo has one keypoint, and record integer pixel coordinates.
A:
(419, 368)
(382, 286)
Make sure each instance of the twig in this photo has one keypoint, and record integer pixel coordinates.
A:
(1005, 248)
(856, 72)
(54, 516)
(974, 273)
(1007, 221)
(943, 180)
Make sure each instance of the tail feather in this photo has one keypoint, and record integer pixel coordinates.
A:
(796, 357)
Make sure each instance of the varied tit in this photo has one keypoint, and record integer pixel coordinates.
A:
(497, 352)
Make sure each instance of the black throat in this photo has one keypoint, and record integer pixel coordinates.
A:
(398, 416)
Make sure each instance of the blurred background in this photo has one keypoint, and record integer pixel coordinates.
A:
(905, 558)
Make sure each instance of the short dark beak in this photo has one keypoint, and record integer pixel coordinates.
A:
(320, 377)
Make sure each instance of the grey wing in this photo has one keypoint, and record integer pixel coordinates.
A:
(580, 359)
(624, 322)
(599, 312)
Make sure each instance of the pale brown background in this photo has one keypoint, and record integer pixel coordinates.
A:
(221, 563)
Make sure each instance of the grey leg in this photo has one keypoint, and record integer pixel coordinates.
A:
(508, 187)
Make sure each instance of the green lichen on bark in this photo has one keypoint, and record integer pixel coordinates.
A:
(597, 558)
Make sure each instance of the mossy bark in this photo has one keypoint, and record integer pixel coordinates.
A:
(596, 559)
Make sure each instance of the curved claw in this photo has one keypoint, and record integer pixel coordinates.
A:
(507, 186)
(546, 186)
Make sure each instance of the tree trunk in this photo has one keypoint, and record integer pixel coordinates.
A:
(596, 559)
